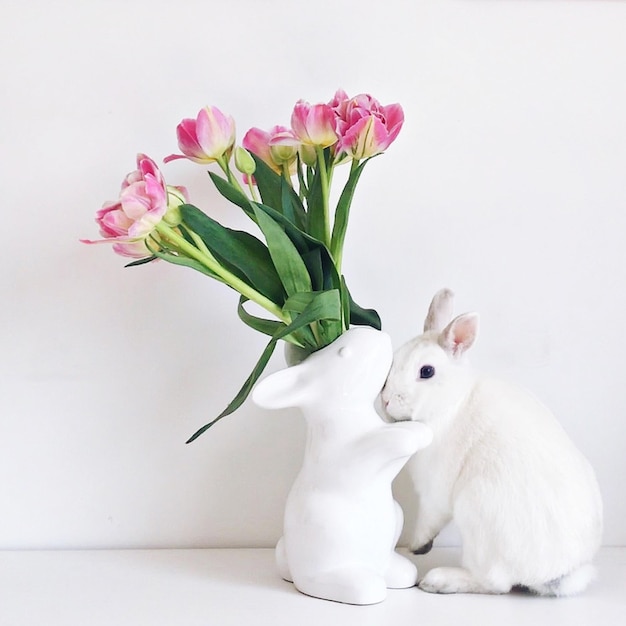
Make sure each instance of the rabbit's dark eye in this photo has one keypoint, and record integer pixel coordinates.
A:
(427, 371)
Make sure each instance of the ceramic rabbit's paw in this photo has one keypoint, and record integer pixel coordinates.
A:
(401, 573)
(350, 585)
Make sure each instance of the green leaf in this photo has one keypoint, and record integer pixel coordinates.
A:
(315, 266)
(325, 305)
(240, 252)
(268, 183)
(141, 261)
(267, 327)
(299, 302)
(345, 303)
(318, 260)
(287, 260)
(244, 392)
(232, 194)
(362, 317)
(320, 265)
(303, 337)
(315, 207)
(292, 207)
(329, 330)
(275, 190)
(186, 262)
(300, 239)
(342, 212)
(290, 214)
(306, 244)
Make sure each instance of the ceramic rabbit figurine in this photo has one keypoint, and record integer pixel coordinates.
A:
(341, 522)
(525, 500)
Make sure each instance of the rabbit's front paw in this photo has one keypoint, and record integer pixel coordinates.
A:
(423, 549)
(459, 580)
(422, 539)
(445, 580)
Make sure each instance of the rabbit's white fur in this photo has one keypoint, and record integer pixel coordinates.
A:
(341, 522)
(525, 500)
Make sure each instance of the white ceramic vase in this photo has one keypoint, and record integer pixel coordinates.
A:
(341, 522)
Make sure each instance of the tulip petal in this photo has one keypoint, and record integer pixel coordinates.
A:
(215, 132)
(186, 133)
(314, 124)
(173, 157)
(133, 249)
(142, 203)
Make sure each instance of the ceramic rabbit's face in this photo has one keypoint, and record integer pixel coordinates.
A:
(354, 366)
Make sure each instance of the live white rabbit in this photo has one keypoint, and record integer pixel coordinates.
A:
(525, 500)
(341, 522)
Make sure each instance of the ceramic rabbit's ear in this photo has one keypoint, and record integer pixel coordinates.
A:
(440, 311)
(279, 390)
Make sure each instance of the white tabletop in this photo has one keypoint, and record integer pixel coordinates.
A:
(241, 587)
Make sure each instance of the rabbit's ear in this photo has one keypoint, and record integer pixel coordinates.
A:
(459, 334)
(279, 390)
(440, 311)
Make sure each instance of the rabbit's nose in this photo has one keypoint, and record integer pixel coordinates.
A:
(394, 403)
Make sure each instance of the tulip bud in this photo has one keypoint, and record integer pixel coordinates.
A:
(244, 161)
(308, 155)
(283, 153)
(175, 197)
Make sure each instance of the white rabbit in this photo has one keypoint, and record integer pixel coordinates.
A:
(524, 499)
(341, 522)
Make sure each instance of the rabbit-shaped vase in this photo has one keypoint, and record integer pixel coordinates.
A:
(525, 500)
(341, 523)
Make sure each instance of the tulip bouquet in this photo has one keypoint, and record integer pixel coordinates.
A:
(285, 189)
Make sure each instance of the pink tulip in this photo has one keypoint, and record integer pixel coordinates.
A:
(143, 203)
(314, 125)
(207, 138)
(276, 147)
(365, 127)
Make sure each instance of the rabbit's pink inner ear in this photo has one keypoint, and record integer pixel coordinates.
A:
(460, 334)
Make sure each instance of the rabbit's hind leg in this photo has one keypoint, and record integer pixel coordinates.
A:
(571, 584)
(459, 580)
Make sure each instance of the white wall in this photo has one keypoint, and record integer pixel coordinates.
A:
(506, 184)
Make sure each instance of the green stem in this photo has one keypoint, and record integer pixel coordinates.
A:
(199, 243)
(209, 261)
(253, 193)
(223, 163)
(286, 173)
(321, 161)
